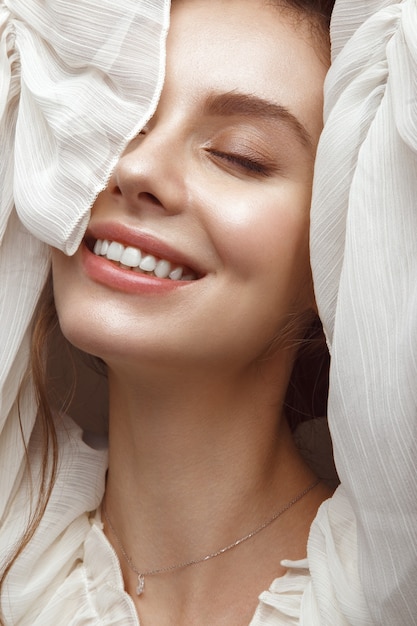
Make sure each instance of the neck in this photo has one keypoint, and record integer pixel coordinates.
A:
(180, 452)
(185, 453)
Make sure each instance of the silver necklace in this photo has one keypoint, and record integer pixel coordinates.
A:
(160, 570)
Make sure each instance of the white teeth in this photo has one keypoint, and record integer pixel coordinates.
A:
(104, 247)
(176, 274)
(97, 247)
(131, 257)
(115, 251)
(162, 269)
(148, 263)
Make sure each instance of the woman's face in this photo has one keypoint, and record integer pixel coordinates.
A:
(218, 184)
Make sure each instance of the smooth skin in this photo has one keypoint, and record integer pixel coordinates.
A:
(200, 451)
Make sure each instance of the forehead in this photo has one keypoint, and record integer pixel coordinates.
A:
(248, 47)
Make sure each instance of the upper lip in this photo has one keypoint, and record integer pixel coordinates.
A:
(146, 242)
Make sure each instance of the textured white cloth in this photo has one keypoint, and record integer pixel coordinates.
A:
(77, 81)
(364, 258)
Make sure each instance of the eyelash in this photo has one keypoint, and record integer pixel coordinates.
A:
(251, 165)
(248, 164)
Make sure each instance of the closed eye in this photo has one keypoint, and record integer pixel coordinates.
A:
(251, 165)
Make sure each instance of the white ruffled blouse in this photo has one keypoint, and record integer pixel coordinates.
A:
(78, 79)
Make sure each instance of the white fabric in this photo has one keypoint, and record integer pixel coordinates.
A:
(364, 257)
(77, 81)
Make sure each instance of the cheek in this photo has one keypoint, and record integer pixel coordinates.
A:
(267, 237)
(75, 302)
(67, 299)
(266, 253)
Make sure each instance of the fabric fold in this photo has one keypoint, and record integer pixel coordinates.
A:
(364, 259)
(77, 111)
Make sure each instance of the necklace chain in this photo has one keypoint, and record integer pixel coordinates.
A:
(161, 570)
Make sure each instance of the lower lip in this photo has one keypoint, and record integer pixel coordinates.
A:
(107, 273)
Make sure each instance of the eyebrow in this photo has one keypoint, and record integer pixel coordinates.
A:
(235, 103)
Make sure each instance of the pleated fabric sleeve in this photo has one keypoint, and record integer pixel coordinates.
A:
(77, 81)
(364, 258)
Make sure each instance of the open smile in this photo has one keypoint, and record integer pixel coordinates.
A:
(132, 258)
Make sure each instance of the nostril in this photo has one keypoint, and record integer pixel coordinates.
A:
(114, 188)
(149, 197)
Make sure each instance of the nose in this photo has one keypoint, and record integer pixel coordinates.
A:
(150, 174)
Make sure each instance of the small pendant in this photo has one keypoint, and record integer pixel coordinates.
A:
(141, 584)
